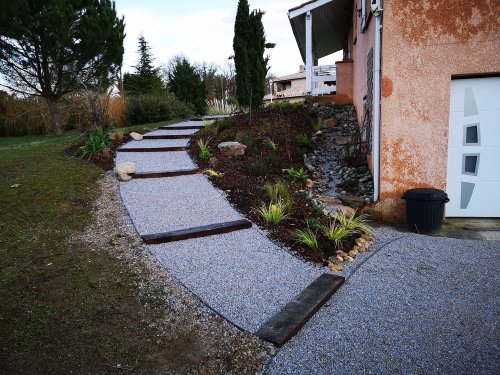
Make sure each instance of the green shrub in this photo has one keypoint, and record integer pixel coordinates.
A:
(295, 176)
(304, 144)
(244, 138)
(307, 237)
(274, 213)
(318, 125)
(205, 154)
(224, 124)
(98, 142)
(143, 109)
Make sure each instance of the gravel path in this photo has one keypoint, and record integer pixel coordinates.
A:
(420, 305)
(241, 274)
(156, 162)
(191, 123)
(158, 205)
(151, 143)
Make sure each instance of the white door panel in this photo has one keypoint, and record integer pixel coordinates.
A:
(473, 180)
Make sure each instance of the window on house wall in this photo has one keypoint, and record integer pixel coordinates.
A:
(365, 13)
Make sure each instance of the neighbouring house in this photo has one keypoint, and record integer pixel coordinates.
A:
(424, 77)
(292, 88)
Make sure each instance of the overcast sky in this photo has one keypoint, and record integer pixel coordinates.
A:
(202, 30)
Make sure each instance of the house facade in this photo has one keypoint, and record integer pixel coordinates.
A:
(290, 88)
(424, 77)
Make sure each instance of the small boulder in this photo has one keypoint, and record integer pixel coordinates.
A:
(307, 163)
(353, 200)
(329, 200)
(232, 148)
(309, 183)
(126, 168)
(136, 136)
(124, 177)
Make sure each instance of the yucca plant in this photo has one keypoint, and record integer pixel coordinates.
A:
(274, 213)
(356, 224)
(337, 233)
(203, 144)
(307, 237)
(98, 142)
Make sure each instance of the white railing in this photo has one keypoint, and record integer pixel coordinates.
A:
(323, 80)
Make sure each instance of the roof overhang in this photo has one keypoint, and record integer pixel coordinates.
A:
(331, 20)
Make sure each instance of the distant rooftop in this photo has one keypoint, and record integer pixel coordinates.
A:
(291, 77)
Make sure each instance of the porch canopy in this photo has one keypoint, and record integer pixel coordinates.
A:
(330, 26)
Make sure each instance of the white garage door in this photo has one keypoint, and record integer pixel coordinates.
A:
(473, 184)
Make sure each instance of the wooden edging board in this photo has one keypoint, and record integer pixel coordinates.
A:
(202, 231)
(290, 319)
(180, 172)
(168, 136)
(187, 127)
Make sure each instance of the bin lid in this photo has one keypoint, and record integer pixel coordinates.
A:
(425, 194)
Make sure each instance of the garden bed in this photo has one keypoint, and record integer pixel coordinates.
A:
(276, 140)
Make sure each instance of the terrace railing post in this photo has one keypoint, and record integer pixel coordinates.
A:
(309, 54)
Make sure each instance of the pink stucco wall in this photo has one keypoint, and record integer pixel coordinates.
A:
(425, 43)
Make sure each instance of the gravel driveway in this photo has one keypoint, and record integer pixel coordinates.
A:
(418, 305)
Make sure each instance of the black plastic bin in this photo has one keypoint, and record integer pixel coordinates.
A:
(425, 209)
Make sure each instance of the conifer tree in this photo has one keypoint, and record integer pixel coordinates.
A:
(53, 47)
(241, 46)
(186, 83)
(146, 78)
(249, 46)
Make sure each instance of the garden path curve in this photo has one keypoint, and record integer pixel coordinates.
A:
(242, 275)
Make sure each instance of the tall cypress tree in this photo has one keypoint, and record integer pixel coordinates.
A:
(259, 62)
(249, 46)
(241, 46)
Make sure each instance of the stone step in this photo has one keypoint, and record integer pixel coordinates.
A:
(286, 323)
(168, 136)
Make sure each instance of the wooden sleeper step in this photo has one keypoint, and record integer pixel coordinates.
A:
(287, 322)
(173, 127)
(179, 172)
(168, 136)
(202, 231)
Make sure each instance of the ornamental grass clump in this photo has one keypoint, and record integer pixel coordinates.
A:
(308, 238)
(274, 213)
(355, 224)
(337, 233)
(279, 191)
(98, 142)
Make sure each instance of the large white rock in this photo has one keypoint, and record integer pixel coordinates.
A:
(124, 177)
(232, 148)
(136, 136)
(125, 168)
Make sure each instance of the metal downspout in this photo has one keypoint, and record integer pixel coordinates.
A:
(376, 100)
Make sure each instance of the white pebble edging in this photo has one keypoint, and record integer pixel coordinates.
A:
(156, 161)
(158, 205)
(153, 143)
(242, 274)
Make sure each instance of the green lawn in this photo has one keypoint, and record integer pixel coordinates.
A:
(62, 307)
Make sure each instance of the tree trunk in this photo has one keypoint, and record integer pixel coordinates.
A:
(55, 114)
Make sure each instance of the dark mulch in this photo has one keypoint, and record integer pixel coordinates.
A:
(244, 176)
